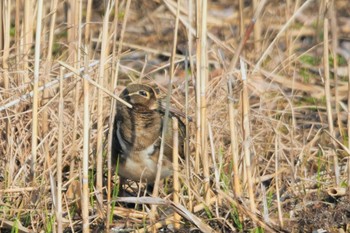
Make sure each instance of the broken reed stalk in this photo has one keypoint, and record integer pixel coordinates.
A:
(247, 138)
(85, 164)
(35, 90)
(99, 151)
(176, 185)
(166, 116)
(202, 82)
(60, 154)
(277, 154)
(234, 141)
(327, 85)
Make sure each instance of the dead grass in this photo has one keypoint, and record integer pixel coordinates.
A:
(268, 146)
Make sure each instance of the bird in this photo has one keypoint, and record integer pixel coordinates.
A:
(137, 135)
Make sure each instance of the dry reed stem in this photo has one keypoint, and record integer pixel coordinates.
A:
(334, 41)
(198, 91)
(35, 91)
(201, 82)
(278, 197)
(187, 133)
(99, 151)
(60, 155)
(48, 65)
(85, 163)
(18, 40)
(176, 184)
(327, 85)
(249, 170)
(334, 31)
(6, 8)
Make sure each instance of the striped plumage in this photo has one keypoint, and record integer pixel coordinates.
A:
(137, 135)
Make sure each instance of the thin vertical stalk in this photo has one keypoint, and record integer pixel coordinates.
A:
(277, 151)
(247, 138)
(192, 68)
(85, 178)
(6, 49)
(198, 89)
(18, 39)
(45, 112)
(187, 144)
(112, 111)
(234, 141)
(5, 14)
(99, 162)
(334, 31)
(176, 184)
(203, 74)
(35, 90)
(59, 154)
(327, 85)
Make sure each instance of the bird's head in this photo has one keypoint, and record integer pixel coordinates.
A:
(140, 94)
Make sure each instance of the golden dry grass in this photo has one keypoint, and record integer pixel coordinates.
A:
(268, 146)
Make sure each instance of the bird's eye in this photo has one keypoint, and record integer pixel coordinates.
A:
(143, 93)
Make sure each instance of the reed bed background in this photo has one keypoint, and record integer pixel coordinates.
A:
(264, 86)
